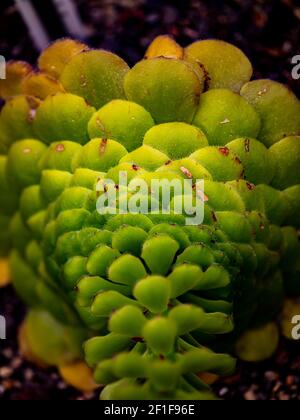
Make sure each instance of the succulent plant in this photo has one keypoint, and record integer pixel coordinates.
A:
(149, 302)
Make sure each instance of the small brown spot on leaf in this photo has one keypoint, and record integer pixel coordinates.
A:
(60, 148)
(224, 150)
(135, 167)
(203, 197)
(83, 81)
(102, 128)
(250, 187)
(214, 216)
(247, 145)
(138, 339)
(207, 78)
(186, 172)
(200, 194)
(102, 147)
(262, 92)
(226, 121)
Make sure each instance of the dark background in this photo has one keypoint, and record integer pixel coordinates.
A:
(267, 30)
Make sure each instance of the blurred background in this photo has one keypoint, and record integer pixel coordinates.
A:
(268, 31)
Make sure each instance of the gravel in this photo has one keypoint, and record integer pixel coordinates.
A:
(277, 379)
